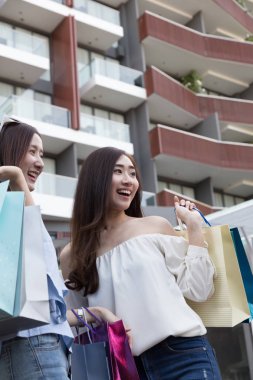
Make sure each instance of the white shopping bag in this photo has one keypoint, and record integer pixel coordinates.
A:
(32, 298)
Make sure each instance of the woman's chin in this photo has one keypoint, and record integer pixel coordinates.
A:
(31, 186)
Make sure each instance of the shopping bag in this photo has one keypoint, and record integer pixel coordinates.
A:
(228, 305)
(246, 273)
(11, 248)
(121, 362)
(90, 361)
(31, 298)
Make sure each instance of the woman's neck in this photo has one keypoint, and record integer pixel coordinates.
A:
(114, 220)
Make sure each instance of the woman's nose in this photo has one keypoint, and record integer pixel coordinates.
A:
(40, 162)
(127, 178)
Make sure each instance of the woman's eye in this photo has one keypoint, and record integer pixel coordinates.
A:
(133, 174)
(117, 171)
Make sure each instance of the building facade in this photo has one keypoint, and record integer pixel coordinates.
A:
(169, 81)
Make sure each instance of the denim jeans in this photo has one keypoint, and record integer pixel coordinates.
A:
(178, 358)
(41, 357)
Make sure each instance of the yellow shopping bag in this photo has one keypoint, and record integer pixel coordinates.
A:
(228, 306)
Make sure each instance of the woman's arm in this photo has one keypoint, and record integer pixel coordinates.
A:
(65, 260)
(186, 213)
(17, 181)
(100, 312)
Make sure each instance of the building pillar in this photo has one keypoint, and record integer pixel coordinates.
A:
(64, 69)
(210, 127)
(204, 191)
(197, 23)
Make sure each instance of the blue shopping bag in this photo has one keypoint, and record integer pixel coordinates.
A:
(11, 247)
(245, 269)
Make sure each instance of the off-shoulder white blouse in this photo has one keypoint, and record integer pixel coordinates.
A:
(144, 281)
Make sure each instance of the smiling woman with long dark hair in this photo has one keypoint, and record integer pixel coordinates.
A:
(139, 269)
(42, 352)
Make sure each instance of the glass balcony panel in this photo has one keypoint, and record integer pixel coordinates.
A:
(5, 91)
(148, 199)
(32, 109)
(98, 10)
(57, 185)
(105, 128)
(109, 69)
(24, 40)
(6, 37)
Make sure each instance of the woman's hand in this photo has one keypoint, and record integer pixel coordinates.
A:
(108, 316)
(186, 213)
(102, 313)
(14, 174)
(17, 181)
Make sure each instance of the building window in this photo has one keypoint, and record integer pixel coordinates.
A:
(226, 200)
(187, 191)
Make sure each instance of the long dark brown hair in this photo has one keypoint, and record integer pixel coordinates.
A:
(15, 138)
(89, 212)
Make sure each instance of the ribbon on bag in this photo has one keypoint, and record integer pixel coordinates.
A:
(228, 305)
(121, 362)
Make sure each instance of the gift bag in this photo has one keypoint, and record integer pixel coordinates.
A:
(30, 297)
(228, 305)
(11, 248)
(245, 269)
(120, 361)
(90, 361)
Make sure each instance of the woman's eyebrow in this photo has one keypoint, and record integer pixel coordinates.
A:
(122, 166)
(36, 147)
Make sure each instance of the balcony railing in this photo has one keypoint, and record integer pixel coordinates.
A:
(108, 69)
(62, 186)
(105, 127)
(57, 185)
(20, 106)
(148, 199)
(24, 40)
(98, 10)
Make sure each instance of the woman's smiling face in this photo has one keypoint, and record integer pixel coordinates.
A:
(124, 184)
(32, 164)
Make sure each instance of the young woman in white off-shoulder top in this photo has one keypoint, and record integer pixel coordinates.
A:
(136, 267)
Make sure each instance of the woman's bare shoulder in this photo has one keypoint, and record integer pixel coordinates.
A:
(157, 224)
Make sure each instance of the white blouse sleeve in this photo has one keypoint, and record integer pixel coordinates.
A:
(191, 266)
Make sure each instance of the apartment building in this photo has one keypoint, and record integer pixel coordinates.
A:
(169, 81)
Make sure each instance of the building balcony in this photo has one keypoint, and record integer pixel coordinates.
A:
(191, 158)
(221, 17)
(23, 56)
(98, 25)
(54, 193)
(111, 85)
(56, 185)
(225, 65)
(104, 128)
(41, 15)
(171, 103)
(34, 111)
(53, 123)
